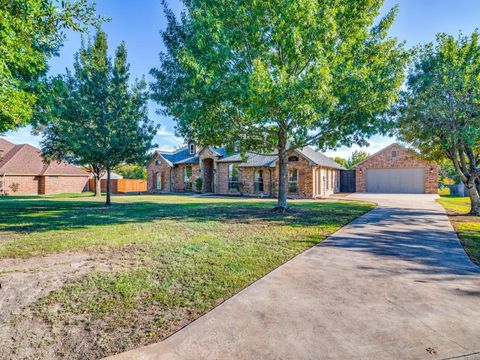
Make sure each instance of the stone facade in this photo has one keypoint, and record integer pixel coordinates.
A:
(404, 158)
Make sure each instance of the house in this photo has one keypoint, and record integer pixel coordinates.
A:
(310, 173)
(23, 172)
(396, 169)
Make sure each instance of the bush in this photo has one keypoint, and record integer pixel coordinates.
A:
(198, 184)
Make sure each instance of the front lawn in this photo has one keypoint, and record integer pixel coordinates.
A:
(165, 261)
(467, 227)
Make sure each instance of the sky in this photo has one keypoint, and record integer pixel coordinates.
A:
(138, 23)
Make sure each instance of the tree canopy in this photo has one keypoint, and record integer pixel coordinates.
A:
(439, 112)
(95, 117)
(32, 31)
(279, 75)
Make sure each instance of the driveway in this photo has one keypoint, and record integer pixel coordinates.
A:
(394, 284)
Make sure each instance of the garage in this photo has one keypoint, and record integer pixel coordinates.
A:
(396, 169)
(401, 181)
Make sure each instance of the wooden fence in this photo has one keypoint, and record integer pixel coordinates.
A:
(121, 186)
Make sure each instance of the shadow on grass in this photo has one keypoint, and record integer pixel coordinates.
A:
(36, 214)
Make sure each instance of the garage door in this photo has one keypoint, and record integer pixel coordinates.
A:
(405, 181)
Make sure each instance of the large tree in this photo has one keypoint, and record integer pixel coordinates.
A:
(95, 117)
(31, 31)
(439, 112)
(279, 75)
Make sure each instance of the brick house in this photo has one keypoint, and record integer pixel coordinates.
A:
(396, 169)
(23, 172)
(311, 173)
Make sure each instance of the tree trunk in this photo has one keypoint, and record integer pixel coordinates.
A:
(282, 205)
(474, 199)
(98, 185)
(108, 201)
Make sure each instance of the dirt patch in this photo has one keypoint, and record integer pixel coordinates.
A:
(23, 335)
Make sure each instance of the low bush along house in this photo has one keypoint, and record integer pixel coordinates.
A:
(310, 173)
(23, 172)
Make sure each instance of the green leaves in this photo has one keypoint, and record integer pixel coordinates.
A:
(439, 111)
(325, 72)
(31, 31)
(96, 117)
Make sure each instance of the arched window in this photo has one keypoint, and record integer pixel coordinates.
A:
(293, 158)
(258, 181)
(293, 181)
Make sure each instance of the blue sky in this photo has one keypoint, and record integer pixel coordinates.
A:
(138, 23)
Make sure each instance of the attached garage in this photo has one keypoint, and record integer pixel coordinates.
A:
(401, 181)
(396, 169)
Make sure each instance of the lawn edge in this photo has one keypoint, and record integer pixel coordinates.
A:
(451, 214)
(255, 281)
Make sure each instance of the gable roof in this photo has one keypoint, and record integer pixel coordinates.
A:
(386, 148)
(317, 158)
(25, 159)
(252, 160)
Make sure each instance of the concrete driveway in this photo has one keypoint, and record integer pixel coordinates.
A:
(394, 284)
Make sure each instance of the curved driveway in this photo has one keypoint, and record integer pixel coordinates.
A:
(394, 284)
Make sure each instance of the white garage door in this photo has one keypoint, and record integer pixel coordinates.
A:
(403, 181)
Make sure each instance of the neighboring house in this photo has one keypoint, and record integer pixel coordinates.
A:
(396, 169)
(310, 173)
(23, 172)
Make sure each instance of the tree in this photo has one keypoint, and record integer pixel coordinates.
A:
(357, 157)
(131, 171)
(96, 117)
(279, 75)
(32, 31)
(340, 161)
(439, 111)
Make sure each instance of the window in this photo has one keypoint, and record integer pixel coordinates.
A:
(293, 181)
(394, 153)
(191, 147)
(258, 180)
(233, 177)
(293, 158)
(187, 177)
(158, 162)
(158, 181)
(327, 183)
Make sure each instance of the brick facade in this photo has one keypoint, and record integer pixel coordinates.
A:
(404, 159)
(158, 168)
(215, 176)
(33, 185)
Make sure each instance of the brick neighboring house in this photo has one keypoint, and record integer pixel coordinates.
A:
(396, 169)
(311, 173)
(23, 172)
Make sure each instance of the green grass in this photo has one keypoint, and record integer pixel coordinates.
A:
(467, 227)
(179, 256)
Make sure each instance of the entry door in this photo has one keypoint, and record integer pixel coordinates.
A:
(396, 180)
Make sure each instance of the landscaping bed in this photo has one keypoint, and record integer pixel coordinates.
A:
(466, 226)
(80, 281)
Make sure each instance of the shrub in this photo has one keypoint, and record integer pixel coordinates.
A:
(198, 184)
